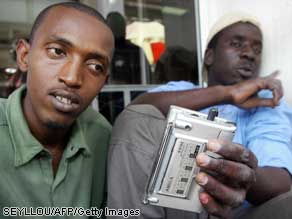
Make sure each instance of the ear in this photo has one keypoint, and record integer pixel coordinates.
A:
(22, 50)
(209, 57)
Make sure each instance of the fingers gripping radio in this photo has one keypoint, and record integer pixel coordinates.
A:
(171, 183)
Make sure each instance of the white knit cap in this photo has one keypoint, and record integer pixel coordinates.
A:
(226, 21)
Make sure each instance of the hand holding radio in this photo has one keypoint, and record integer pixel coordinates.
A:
(172, 180)
(225, 180)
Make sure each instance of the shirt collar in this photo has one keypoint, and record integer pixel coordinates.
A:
(77, 141)
(26, 146)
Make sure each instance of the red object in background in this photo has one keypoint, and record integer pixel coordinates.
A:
(157, 50)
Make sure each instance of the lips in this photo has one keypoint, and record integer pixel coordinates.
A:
(246, 71)
(65, 101)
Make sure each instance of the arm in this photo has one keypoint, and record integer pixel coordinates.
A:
(192, 99)
(242, 94)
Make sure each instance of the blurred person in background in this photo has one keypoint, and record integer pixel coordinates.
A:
(126, 64)
(12, 80)
(176, 64)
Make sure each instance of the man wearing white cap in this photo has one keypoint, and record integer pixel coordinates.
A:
(232, 61)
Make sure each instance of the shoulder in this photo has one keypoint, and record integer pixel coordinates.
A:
(139, 128)
(2, 111)
(91, 120)
(95, 130)
(135, 117)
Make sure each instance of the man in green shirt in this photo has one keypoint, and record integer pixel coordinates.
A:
(53, 147)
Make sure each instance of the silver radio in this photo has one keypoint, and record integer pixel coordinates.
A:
(171, 183)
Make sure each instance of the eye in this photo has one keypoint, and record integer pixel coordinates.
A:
(56, 52)
(96, 67)
(235, 43)
(257, 50)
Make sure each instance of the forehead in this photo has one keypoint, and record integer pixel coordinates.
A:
(81, 29)
(242, 29)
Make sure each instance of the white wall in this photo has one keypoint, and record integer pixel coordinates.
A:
(276, 19)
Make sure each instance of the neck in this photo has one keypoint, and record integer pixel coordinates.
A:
(211, 80)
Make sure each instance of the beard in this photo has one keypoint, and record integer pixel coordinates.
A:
(56, 125)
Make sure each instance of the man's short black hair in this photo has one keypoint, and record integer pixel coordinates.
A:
(78, 6)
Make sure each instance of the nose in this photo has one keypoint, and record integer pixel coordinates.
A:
(71, 74)
(248, 52)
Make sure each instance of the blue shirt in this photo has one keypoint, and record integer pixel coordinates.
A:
(266, 131)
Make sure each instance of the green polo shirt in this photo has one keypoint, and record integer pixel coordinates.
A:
(26, 173)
